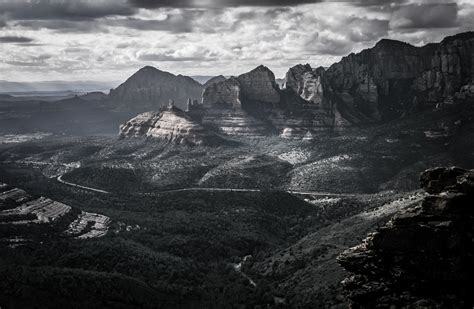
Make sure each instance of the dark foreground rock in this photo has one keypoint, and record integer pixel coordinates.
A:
(424, 256)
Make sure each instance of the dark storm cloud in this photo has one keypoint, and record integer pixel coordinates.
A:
(425, 16)
(151, 4)
(15, 39)
(64, 9)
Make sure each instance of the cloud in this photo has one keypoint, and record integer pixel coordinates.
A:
(328, 45)
(15, 39)
(63, 26)
(425, 16)
(64, 9)
(212, 37)
(152, 4)
(367, 30)
(29, 61)
(186, 53)
(162, 57)
(177, 23)
(378, 5)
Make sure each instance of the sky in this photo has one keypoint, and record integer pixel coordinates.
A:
(108, 40)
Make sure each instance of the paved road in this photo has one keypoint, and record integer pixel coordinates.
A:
(256, 190)
(59, 178)
(326, 194)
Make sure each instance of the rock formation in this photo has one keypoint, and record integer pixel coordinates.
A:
(225, 92)
(253, 105)
(385, 82)
(170, 124)
(21, 214)
(424, 256)
(394, 78)
(259, 85)
(215, 79)
(294, 76)
(150, 88)
(231, 106)
(306, 82)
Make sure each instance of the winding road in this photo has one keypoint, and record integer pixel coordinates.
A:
(309, 193)
(59, 178)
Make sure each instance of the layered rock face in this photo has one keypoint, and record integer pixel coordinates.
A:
(170, 124)
(306, 82)
(150, 88)
(294, 76)
(424, 256)
(304, 109)
(394, 78)
(225, 92)
(253, 105)
(259, 85)
(382, 83)
(229, 106)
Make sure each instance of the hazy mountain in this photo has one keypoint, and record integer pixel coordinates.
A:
(150, 88)
(54, 86)
(215, 79)
(202, 79)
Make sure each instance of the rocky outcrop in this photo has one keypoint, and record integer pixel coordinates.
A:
(214, 80)
(253, 105)
(385, 82)
(259, 85)
(424, 256)
(225, 92)
(94, 96)
(312, 88)
(294, 76)
(306, 82)
(21, 214)
(169, 124)
(150, 88)
(231, 106)
(394, 78)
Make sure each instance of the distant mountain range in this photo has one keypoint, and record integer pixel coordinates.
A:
(49, 87)
(386, 82)
(379, 84)
(73, 87)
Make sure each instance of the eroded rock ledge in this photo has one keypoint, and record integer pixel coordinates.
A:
(423, 257)
(169, 124)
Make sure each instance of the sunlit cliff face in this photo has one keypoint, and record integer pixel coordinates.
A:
(109, 40)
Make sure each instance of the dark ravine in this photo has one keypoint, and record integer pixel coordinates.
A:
(423, 257)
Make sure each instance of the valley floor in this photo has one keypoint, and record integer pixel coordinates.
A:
(182, 218)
